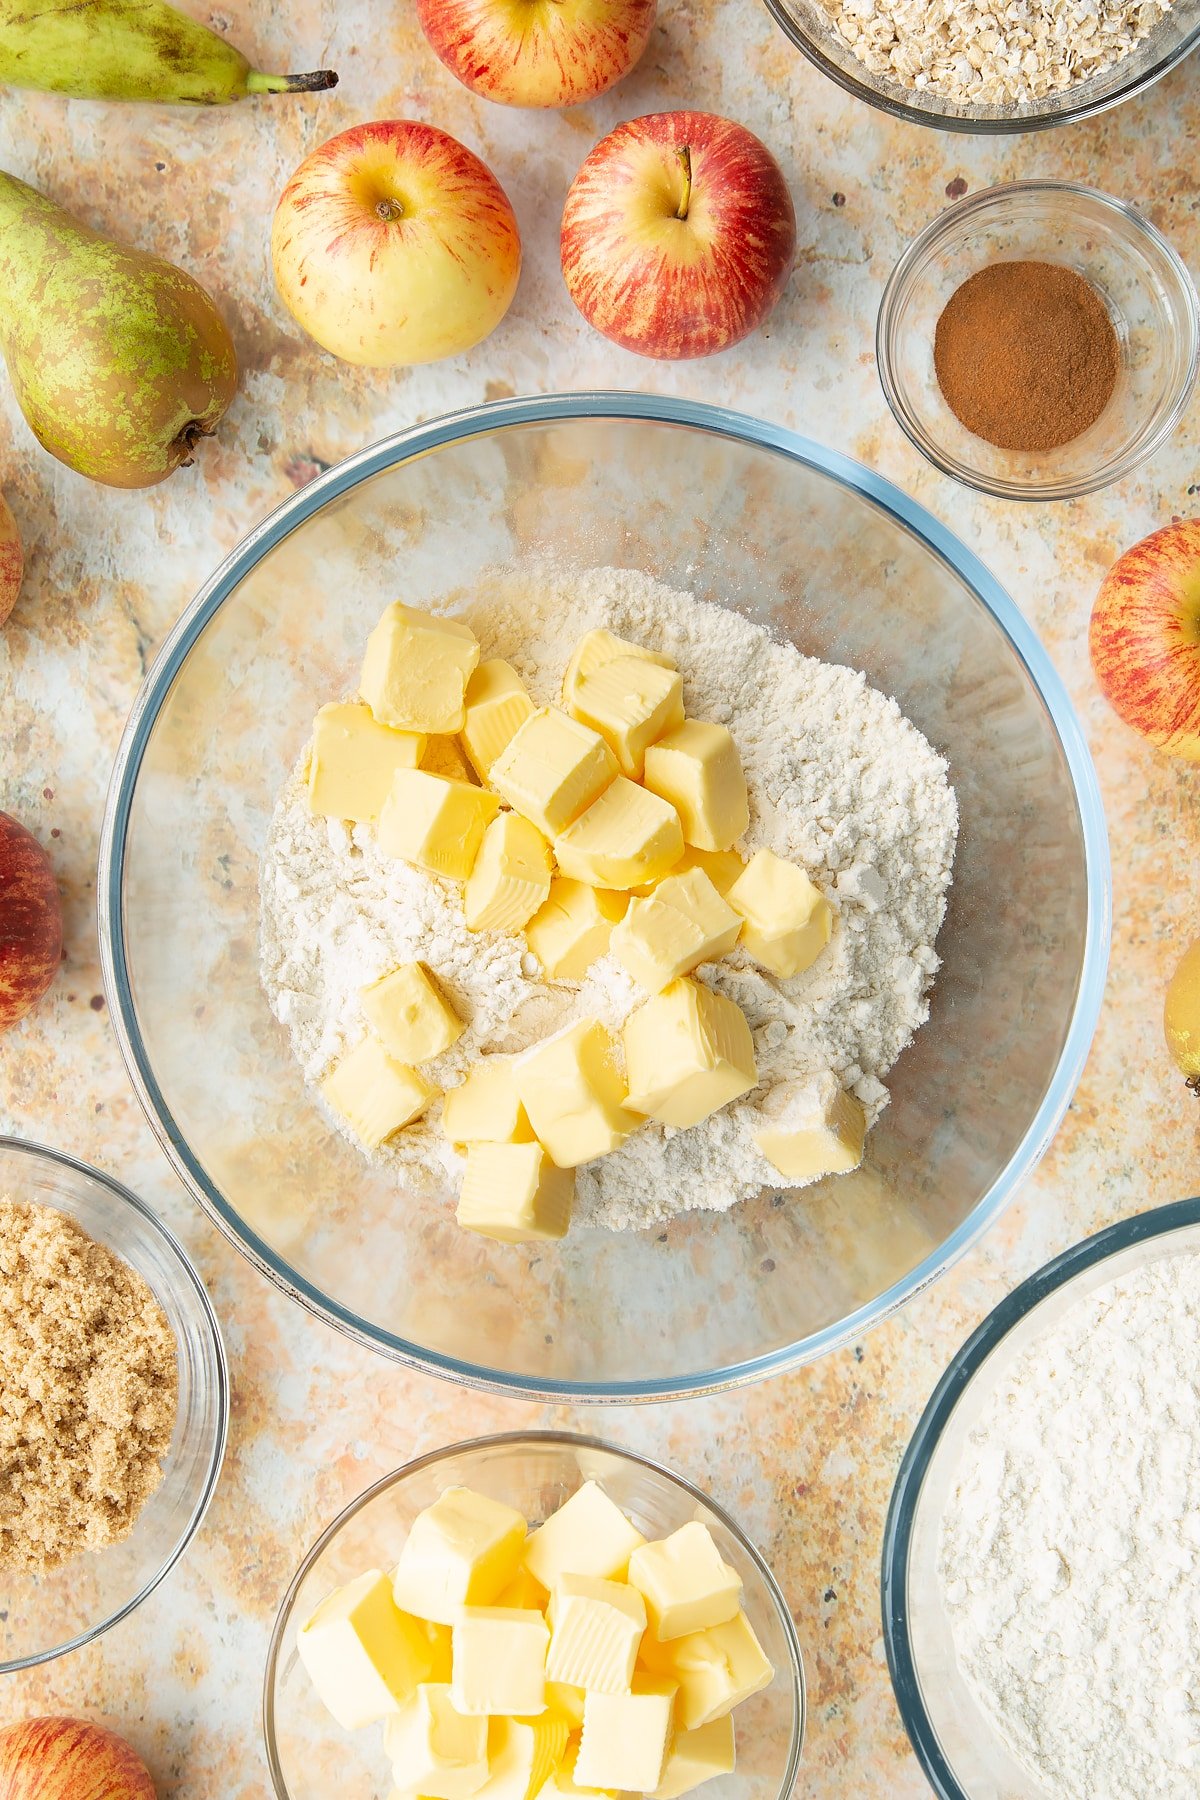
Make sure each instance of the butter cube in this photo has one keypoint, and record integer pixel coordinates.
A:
(435, 823)
(414, 674)
(364, 1656)
(552, 769)
(500, 1661)
(511, 877)
(721, 866)
(485, 1109)
(695, 1757)
(697, 768)
(459, 1552)
(440, 1650)
(566, 1701)
(682, 924)
(788, 921)
(595, 648)
(588, 1535)
(812, 1128)
(445, 756)
(572, 930)
(626, 1737)
(715, 1669)
(572, 1088)
(625, 838)
(497, 706)
(632, 703)
(434, 1750)
(596, 1628)
(562, 1785)
(352, 761)
(514, 1193)
(685, 1583)
(523, 1754)
(687, 1053)
(375, 1094)
(410, 1014)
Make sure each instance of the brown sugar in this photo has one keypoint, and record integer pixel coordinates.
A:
(88, 1391)
(1026, 355)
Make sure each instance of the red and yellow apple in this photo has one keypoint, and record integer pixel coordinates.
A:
(538, 52)
(69, 1759)
(12, 560)
(393, 243)
(1145, 638)
(30, 927)
(678, 235)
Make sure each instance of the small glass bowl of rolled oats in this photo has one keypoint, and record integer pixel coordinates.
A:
(992, 65)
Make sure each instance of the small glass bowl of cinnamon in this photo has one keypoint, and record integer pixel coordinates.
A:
(1038, 340)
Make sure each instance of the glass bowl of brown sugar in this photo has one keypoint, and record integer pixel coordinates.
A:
(1038, 340)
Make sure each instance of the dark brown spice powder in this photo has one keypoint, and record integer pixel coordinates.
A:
(1026, 355)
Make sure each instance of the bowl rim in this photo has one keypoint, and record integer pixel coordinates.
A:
(534, 1440)
(1015, 124)
(952, 1387)
(942, 225)
(38, 1152)
(418, 441)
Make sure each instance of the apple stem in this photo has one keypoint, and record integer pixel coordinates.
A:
(387, 210)
(684, 157)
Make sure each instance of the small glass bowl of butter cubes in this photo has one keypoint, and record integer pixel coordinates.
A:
(533, 1617)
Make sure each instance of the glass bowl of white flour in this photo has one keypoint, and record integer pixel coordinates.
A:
(905, 740)
(1041, 1567)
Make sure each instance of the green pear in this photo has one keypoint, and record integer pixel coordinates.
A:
(130, 50)
(120, 361)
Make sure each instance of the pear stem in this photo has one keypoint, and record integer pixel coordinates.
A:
(684, 158)
(316, 83)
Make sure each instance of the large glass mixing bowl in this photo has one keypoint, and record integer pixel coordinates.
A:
(742, 514)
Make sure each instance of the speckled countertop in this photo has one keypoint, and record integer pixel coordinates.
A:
(807, 1462)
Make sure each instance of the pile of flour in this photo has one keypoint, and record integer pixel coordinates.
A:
(839, 782)
(1070, 1545)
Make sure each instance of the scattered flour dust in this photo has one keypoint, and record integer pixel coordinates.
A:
(839, 781)
(1069, 1556)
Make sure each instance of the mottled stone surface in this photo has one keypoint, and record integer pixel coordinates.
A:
(806, 1462)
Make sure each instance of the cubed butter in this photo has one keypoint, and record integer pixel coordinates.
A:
(695, 1757)
(595, 648)
(552, 769)
(525, 1590)
(567, 1701)
(352, 760)
(573, 1090)
(788, 920)
(588, 1535)
(572, 930)
(486, 1108)
(562, 1785)
(721, 866)
(626, 1737)
(410, 1015)
(364, 1656)
(523, 1754)
(632, 703)
(682, 924)
(687, 1053)
(415, 672)
(697, 768)
(500, 1661)
(595, 1630)
(435, 823)
(459, 1552)
(514, 1193)
(511, 877)
(440, 1650)
(375, 1094)
(625, 838)
(445, 756)
(812, 1128)
(434, 1750)
(715, 1669)
(685, 1583)
(497, 706)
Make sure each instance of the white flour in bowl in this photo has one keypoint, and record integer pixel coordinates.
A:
(838, 780)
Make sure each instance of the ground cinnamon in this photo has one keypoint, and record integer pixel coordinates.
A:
(1026, 355)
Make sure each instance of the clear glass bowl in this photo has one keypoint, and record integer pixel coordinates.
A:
(1150, 299)
(745, 515)
(45, 1616)
(953, 1737)
(311, 1759)
(808, 25)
